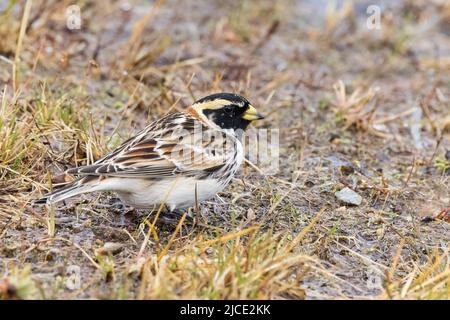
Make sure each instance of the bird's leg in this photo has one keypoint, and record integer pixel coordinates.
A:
(199, 220)
(198, 215)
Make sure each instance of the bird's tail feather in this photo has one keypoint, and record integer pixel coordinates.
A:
(65, 192)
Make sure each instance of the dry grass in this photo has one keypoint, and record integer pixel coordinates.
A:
(355, 108)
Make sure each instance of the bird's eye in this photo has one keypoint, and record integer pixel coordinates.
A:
(228, 109)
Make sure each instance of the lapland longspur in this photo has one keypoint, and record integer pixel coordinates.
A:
(176, 160)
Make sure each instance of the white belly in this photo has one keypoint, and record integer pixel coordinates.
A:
(176, 193)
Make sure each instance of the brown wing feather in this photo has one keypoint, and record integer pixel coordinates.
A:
(163, 149)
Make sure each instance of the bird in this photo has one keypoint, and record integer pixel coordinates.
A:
(179, 160)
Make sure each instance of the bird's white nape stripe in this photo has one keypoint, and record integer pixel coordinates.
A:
(213, 104)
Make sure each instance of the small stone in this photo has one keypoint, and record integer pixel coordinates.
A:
(380, 232)
(349, 196)
(251, 214)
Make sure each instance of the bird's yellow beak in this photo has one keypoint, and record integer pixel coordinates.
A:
(252, 114)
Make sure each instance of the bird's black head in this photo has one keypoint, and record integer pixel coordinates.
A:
(227, 110)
